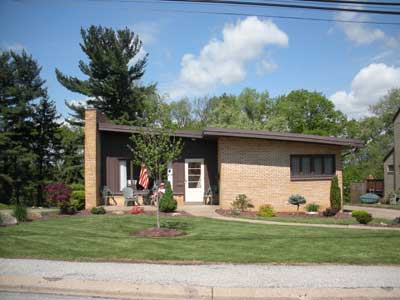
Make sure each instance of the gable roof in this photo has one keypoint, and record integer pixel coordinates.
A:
(388, 154)
(241, 133)
(396, 114)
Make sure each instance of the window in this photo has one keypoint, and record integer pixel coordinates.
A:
(304, 166)
(390, 168)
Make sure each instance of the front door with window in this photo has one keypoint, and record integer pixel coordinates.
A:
(194, 180)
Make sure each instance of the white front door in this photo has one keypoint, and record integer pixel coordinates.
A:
(194, 180)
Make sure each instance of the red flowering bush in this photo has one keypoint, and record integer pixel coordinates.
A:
(58, 194)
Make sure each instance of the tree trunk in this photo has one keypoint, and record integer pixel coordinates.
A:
(158, 204)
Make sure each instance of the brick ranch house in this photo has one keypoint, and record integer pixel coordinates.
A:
(266, 166)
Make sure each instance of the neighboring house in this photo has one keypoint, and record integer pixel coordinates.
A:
(266, 166)
(391, 162)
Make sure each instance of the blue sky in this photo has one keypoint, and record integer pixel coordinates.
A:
(197, 54)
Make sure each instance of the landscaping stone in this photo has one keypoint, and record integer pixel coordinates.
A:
(8, 219)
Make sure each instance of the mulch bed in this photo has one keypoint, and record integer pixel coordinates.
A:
(253, 214)
(158, 232)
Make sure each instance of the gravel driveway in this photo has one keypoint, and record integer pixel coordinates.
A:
(212, 275)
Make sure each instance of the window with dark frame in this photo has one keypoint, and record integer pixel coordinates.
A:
(390, 168)
(304, 166)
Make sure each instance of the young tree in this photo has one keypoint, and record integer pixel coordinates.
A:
(20, 86)
(154, 148)
(46, 144)
(114, 70)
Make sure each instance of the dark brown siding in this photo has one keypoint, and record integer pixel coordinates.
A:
(112, 177)
(114, 147)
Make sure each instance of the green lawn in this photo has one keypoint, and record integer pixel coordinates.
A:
(319, 220)
(108, 238)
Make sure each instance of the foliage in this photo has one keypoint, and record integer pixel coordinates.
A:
(98, 210)
(46, 145)
(266, 210)
(167, 201)
(113, 71)
(20, 213)
(20, 86)
(241, 203)
(154, 148)
(335, 194)
(297, 200)
(58, 194)
(376, 130)
(70, 166)
(362, 216)
(330, 212)
(1, 219)
(77, 200)
(312, 207)
(77, 187)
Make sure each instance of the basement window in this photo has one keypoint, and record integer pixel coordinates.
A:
(304, 167)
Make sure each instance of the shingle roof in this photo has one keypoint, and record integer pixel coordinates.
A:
(255, 134)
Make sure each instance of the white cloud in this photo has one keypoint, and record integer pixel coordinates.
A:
(223, 61)
(360, 33)
(266, 67)
(148, 31)
(367, 87)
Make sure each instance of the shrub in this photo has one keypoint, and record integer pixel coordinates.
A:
(330, 212)
(98, 210)
(77, 200)
(312, 207)
(77, 187)
(266, 210)
(1, 219)
(335, 195)
(362, 216)
(167, 201)
(20, 213)
(58, 194)
(241, 203)
(297, 200)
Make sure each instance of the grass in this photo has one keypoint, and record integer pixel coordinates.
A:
(107, 237)
(5, 206)
(319, 220)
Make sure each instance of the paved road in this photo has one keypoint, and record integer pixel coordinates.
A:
(376, 212)
(212, 275)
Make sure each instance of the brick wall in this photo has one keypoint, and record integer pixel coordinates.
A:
(92, 159)
(261, 170)
(388, 177)
(397, 152)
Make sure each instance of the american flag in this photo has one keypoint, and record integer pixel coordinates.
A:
(143, 177)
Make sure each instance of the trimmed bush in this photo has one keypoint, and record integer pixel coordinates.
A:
(241, 203)
(330, 212)
(297, 200)
(312, 207)
(266, 210)
(58, 194)
(77, 187)
(362, 216)
(98, 210)
(335, 195)
(20, 213)
(77, 200)
(167, 201)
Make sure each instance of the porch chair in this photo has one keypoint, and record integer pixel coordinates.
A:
(129, 196)
(106, 194)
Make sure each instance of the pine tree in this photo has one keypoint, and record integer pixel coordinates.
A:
(335, 196)
(47, 144)
(167, 201)
(20, 86)
(114, 70)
